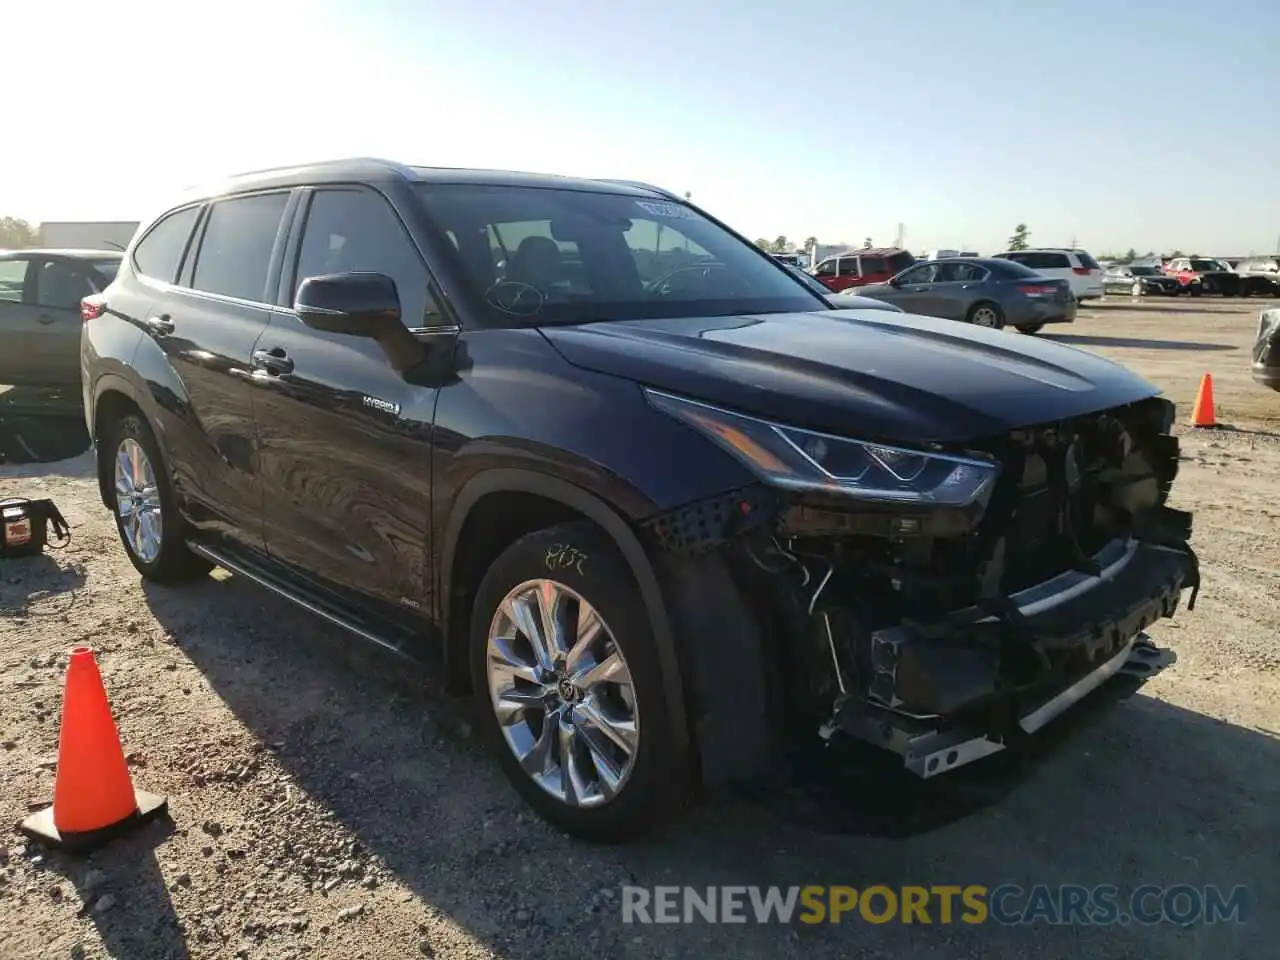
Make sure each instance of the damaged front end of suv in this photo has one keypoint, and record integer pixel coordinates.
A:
(943, 602)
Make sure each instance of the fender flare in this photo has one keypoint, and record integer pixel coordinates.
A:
(112, 383)
(515, 480)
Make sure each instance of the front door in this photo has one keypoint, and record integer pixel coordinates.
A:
(345, 439)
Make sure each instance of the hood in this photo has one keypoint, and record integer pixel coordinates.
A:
(893, 377)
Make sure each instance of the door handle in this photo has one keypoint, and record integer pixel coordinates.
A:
(160, 326)
(274, 361)
(45, 319)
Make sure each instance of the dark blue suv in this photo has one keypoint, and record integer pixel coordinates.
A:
(665, 512)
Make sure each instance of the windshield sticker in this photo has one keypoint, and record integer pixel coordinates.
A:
(671, 211)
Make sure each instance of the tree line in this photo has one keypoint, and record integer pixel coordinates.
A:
(17, 234)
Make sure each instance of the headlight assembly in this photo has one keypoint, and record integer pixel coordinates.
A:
(799, 459)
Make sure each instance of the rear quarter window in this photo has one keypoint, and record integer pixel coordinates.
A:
(160, 252)
(1087, 261)
(900, 261)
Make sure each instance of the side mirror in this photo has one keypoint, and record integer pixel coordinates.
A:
(895, 282)
(356, 304)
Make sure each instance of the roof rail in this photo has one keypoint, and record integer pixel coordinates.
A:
(644, 186)
(391, 165)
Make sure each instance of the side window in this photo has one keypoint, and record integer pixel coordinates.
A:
(13, 278)
(848, 266)
(60, 286)
(873, 265)
(968, 273)
(235, 251)
(900, 261)
(827, 268)
(356, 231)
(921, 274)
(160, 251)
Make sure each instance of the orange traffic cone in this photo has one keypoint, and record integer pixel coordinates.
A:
(93, 798)
(1202, 413)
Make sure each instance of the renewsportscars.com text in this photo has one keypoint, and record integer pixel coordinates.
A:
(1007, 904)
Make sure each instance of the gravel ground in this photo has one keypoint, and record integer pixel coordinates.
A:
(328, 803)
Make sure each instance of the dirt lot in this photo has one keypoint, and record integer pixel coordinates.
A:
(326, 803)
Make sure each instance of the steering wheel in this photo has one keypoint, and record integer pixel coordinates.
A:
(516, 298)
(663, 286)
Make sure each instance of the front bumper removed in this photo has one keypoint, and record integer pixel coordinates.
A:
(944, 695)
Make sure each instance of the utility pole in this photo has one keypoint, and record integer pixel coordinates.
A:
(902, 235)
(1073, 243)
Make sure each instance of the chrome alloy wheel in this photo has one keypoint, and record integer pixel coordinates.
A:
(562, 693)
(984, 317)
(138, 500)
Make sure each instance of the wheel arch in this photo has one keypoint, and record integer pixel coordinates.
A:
(559, 501)
(113, 396)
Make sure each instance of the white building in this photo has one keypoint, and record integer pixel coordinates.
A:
(86, 234)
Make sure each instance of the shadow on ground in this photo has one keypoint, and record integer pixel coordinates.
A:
(130, 906)
(1156, 305)
(42, 585)
(41, 426)
(1123, 791)
(1138, 342)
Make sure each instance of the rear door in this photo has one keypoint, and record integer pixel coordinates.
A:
(58, 286)
(956, 286)
(17, 321)
(206, 326)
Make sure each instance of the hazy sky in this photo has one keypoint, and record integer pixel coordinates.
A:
(1118, 124)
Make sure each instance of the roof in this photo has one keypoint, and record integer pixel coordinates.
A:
(869, 251)
(372, 169)
(70, 254)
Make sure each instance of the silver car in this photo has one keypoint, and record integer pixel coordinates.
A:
(40, 294)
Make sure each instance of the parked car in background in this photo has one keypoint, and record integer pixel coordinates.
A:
(856, 268)
(1259, 276)
(845, 300)
(790, 259)
(1075, 266)
(664, 528)
(987, 292)
(40, 294)
(1136, 279)
(1266, 350)
(1200, 275)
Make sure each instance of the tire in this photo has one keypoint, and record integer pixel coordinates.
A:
(644, 786)
(986, 309)
(166, 560)
(1029, 328)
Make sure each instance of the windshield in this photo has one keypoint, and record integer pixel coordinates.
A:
(536, 256)
(808, 281)
(1200, 266)
(1144, 271)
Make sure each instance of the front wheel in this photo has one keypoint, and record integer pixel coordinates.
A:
(563, 664)
(145, 508)
(986, 314)
(1030, 328)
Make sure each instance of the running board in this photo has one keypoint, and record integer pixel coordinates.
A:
(311, 606)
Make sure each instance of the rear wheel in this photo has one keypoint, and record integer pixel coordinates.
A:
(147, 517)
(1030, 327)
(986, 314)
(564, 667)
